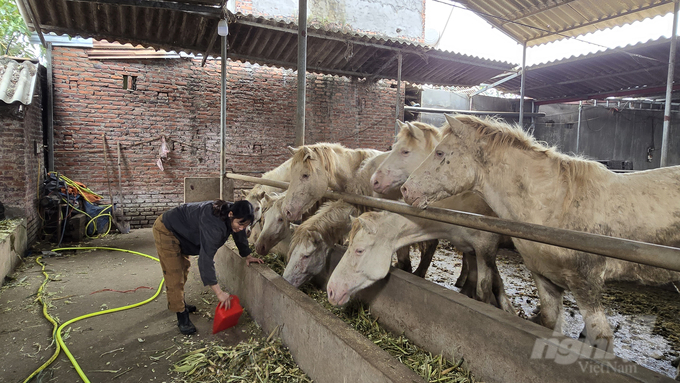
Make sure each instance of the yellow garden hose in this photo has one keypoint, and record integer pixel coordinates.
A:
(93, 219)
(49, 318)
(57, 332)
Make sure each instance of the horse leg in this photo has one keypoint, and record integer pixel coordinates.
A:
(551, 313)
(468, 258)
(469, 287)
(404, 259)
(486, 261)
(587, 293)
(498, 289)
(427, 250)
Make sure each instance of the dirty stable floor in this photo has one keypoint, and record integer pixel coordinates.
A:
(135, 345)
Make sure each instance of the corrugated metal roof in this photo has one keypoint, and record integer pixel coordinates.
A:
(540, 21)
(17, 80)
(191, 26)
(103, 50)
(633, 70)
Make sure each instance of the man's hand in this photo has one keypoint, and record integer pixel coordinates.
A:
(250, 259)
(223, 297)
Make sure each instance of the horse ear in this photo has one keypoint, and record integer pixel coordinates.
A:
(292, 150)
(244, 192)
(367, 226)
(455, 124)
(267, 197)
(260, 194)
(308, 154)
(417, 133)
(402, 125)
(293, 227)
(317, 237)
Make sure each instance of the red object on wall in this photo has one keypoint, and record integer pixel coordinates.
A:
(225, 318)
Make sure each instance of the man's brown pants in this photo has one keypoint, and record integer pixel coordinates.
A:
(175, 265)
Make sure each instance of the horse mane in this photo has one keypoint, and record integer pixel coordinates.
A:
(432, 134)
(327, 221)
(576, 171)
(325, 152)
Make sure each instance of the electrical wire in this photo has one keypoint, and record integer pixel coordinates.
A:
(56, 334)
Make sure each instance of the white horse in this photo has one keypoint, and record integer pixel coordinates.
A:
(318, 167)
(414, 143)
(376, 235)
(275, 232)
(256, 194)
(314, 240)
(526, 181)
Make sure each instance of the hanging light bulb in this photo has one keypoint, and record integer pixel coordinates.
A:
(223, 28)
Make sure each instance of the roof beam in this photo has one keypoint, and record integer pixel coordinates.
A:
(588, 79)
(292, 65)
(34, 19)
(203, 10)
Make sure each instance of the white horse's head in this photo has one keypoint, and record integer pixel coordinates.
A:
(275, 226)
(451, 168)
(413, 144)
(309, 180)
(254, 196)
(307, 256)
(368, 259)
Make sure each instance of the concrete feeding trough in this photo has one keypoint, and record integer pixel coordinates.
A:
(326, 348)
(13, 245)
(496, 346)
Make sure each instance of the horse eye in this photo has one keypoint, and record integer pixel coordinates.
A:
(405, 152)
(439, 153)
(305, 176)
(359, 251)
(280, 219)
(306, 256)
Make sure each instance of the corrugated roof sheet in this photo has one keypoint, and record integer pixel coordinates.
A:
(191, 26)
(17, 80)
(540, 21)
(634, 70)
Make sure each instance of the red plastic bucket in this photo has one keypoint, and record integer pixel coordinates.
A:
(225, 318)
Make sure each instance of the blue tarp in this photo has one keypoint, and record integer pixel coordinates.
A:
(101, 223)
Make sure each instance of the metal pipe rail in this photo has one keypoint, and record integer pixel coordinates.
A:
(634, 251)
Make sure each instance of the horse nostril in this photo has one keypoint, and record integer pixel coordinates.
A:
(404, 190)
(375, 183)
(330, 294)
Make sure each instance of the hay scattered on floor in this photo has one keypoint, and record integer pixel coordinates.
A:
(256, 360)
(433, 368)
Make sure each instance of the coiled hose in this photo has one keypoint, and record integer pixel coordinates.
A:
(56, 333)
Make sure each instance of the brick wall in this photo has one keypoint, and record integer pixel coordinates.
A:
(179, 100)
(21, 127)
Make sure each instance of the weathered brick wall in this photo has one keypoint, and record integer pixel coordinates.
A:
(20, 128)
(179, 100)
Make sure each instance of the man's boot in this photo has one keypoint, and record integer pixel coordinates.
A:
(190, 308)
(184, 323)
